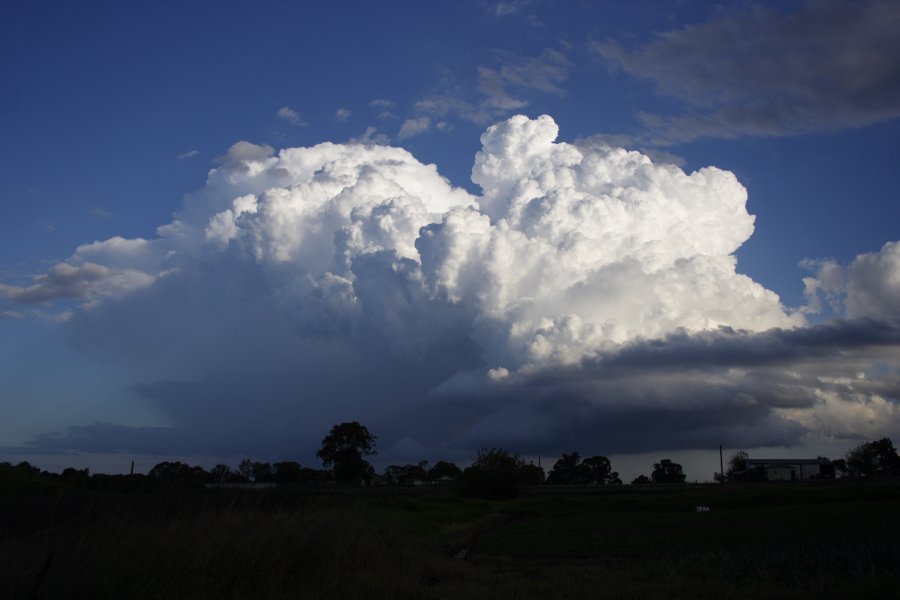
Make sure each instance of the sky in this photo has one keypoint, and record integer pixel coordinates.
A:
(634, 229)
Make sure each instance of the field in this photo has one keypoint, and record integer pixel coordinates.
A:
(828, 539)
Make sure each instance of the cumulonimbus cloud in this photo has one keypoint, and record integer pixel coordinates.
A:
(586, 289)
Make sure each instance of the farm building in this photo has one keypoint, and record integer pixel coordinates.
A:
(788, 469)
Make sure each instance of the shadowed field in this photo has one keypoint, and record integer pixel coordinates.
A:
(834, 539)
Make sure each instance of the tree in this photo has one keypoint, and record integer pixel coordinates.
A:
(262, 472)
(640, 480)
(565, 471)
(221, 473)
(493, 473)
(595, 470)
(666, 471)
(343, 450)
(736, 464)
(598, 471)
(737, 469)
(245, 469)
(840, 467)
(404, 474)
(179, 474)
(871, 459)
(530, 474)
(443, 468)
(287, 471)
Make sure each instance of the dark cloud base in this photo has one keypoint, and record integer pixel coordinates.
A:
(682, 392)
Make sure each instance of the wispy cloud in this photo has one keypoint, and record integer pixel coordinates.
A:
(371, 136)
(499, 87)
(188, 154)
(291, 116)
(414, 127)
(771, 72)
(101, 212)
(514, 8)
(342, 114)
(382, 103)
(11, 314)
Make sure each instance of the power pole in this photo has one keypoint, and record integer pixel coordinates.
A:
(721, 466)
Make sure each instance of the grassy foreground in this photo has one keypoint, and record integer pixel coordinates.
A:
(824, 540)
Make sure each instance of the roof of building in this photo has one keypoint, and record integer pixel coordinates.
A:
(786, 461)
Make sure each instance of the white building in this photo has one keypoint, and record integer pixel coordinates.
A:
(791, 469)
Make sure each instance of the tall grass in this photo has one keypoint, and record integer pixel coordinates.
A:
(802, 541)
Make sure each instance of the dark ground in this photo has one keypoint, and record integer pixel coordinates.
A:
(829, 539)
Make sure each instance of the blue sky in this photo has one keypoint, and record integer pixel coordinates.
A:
(112, 112)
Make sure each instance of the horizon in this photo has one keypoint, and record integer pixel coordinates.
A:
(606, 229)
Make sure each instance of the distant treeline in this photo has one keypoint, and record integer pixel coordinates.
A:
(494, 472)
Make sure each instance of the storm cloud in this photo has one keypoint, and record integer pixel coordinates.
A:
(755, 70)
(588, 297)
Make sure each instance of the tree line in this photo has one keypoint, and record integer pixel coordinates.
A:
(494, 472)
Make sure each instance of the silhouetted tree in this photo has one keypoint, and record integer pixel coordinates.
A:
(530, 474)
(666, 471)
(736, 464)
(493, 473)
(840, 466)
(26, 466)
(308, 475)
(178, 474)
(827, 470)
(598, 470)
(245, 469)
(443, 468)
(221, 473)
(873, 458)
(343, 450)
(565, 471)
(595, 470)
(75, 476)
(404, 474)
(640, 480)
(262, 472)
(287, 471)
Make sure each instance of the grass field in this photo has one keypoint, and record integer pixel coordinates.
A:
(829, 539)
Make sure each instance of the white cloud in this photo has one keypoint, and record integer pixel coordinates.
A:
(414, 127)
(188, 154)
(382, 103)
(291, 116)
(11, 314)
(81, 281)
(869, 287)
(501, 9)
(342, 114)
(587, 289)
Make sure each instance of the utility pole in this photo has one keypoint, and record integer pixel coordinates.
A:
(132, 468)
(721, 466)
